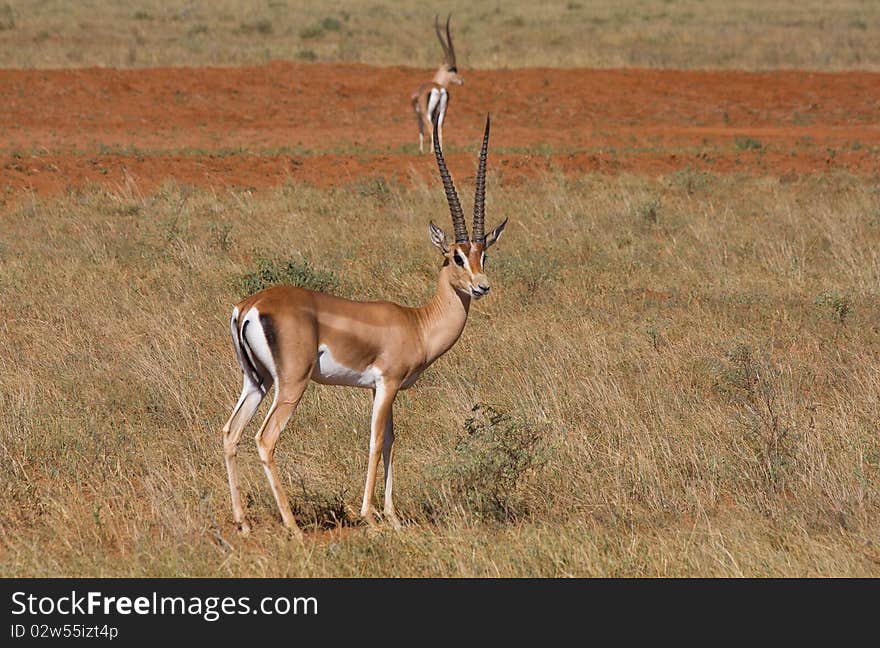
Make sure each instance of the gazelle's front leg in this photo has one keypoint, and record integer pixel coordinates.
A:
(388, 460)
(383, 399)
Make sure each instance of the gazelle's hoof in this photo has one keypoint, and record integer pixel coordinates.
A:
(369, 519)
(390, 518)
(244, 529)
(292, 527)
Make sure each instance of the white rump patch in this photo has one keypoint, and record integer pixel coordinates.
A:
(437, 99)
(329, 371)
(256, 343)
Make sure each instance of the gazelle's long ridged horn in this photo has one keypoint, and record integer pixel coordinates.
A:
(461, 235)
(450, 54)
(440, 38)
(478, 234)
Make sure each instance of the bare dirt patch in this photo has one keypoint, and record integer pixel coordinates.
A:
(331, 124)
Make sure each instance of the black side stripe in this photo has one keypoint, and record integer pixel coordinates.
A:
(246, 352)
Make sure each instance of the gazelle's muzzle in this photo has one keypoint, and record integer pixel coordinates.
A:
(480, 287)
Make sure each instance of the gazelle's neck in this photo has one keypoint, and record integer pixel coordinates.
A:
(441, 77)
(442, 319)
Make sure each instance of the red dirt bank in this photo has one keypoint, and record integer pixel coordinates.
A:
(331, 124)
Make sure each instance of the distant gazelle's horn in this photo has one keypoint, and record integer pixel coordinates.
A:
(461, 235)
(478, 234)
(440, 38)
(450, 54)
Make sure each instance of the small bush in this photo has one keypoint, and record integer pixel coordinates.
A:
(755, 386)
(312, 31)
(747, 144)
(306, 55)
(649, 211)
(375, 187)
(331, 24)
(690, 180)
(221, 235)
(491, 459)
(839, 303)
(261, 26)
(298, 273)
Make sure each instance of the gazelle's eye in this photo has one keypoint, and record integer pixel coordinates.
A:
(458, 259)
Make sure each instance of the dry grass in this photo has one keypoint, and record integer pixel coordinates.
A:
(749, 34)
(688, 368)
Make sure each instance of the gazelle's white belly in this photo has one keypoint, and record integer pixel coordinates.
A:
(328, 371)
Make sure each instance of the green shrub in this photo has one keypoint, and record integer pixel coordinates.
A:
(312, 31)
(298, 273)
(331, 24)
(491, 458)
(748, 144)
(306, 55)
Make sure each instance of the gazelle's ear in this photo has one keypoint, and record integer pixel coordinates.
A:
(438, 238)
(495, 235)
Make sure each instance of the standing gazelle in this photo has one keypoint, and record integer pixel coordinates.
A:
(431, 99)
(285, 336)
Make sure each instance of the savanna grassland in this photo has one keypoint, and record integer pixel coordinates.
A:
(677, 372)
(688, 34)
(686, 369)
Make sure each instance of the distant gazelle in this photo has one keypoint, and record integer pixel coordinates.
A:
(285, 336)
(431, 99)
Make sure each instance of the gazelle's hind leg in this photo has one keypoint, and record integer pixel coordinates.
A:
(252, 392)
(286, 399)
(242, 413)
(431, 113)
(441, 116)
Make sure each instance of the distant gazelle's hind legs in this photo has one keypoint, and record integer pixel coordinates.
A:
(383, 400)
(244, 411)
(441, 115)
(280, 412)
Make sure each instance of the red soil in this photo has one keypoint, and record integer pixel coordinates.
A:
(332, 124)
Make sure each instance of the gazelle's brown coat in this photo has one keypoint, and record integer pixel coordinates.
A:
(285, 336)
